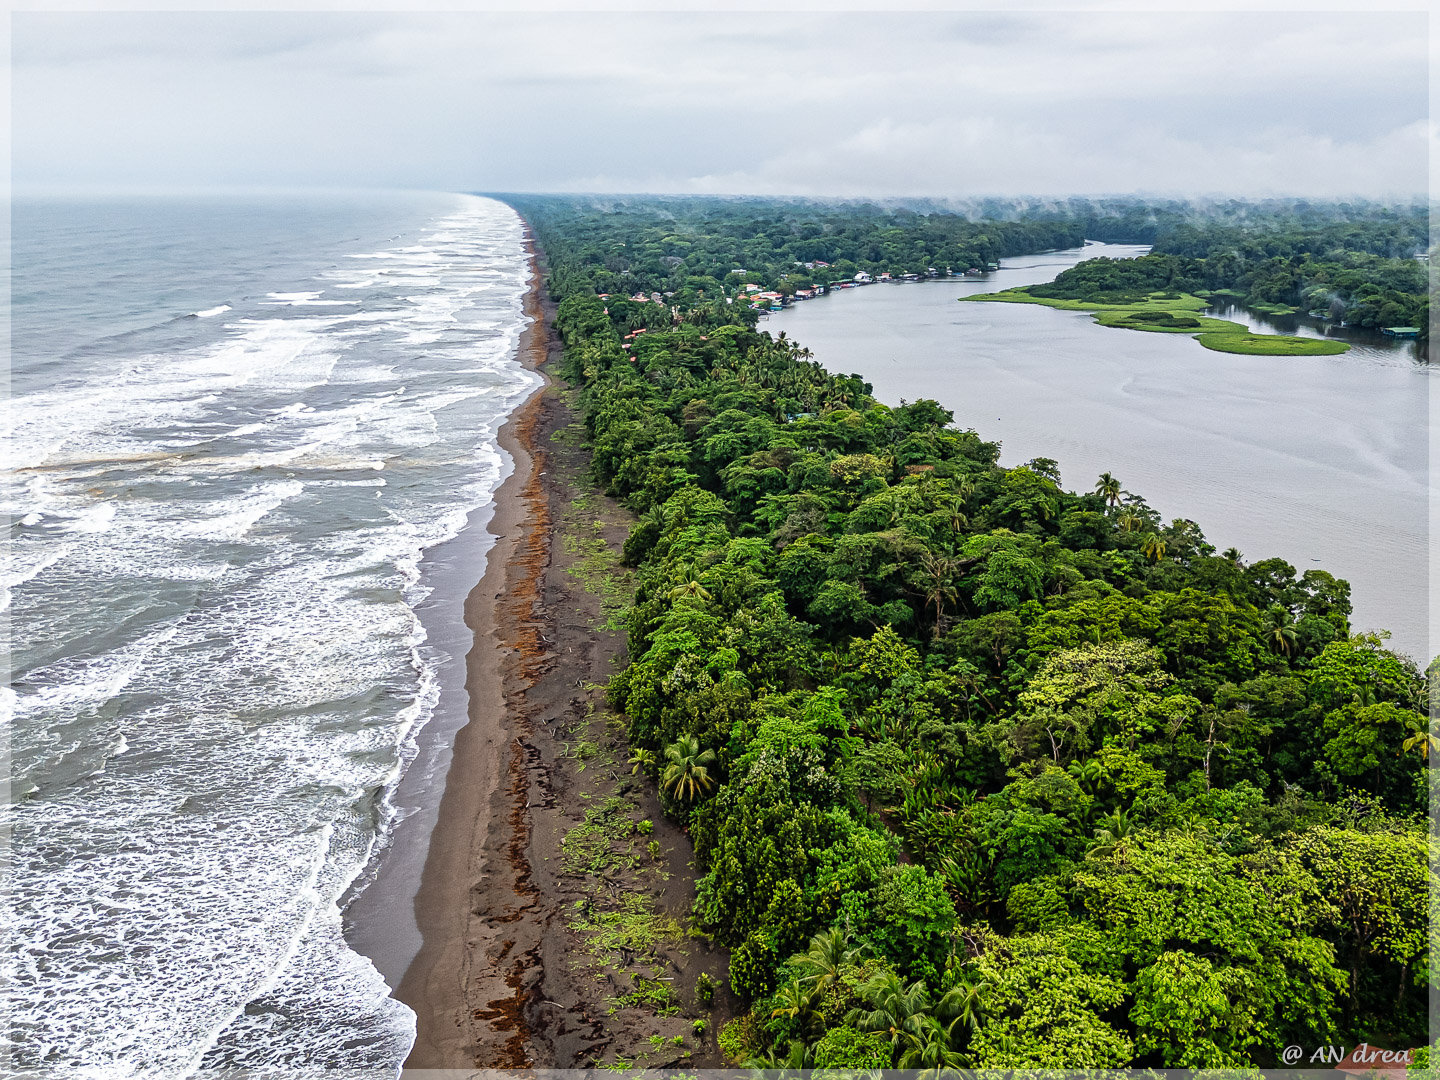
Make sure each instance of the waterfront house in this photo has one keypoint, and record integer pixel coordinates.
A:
(1401, 331)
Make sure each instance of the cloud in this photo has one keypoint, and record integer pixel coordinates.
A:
(826, 102)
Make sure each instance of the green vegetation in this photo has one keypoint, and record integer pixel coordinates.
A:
(697, 253)
(633, 930)
(1170, 313)
(595, 565)
(1270, 344)
(1361, 273)
(1001, 773)
(705, 989)
(587, 848)
(1158, 302)
(1358, 270)
(654, 994)
(1166, 320)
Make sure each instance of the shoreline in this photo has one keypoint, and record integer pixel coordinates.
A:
(471, 804)
(1136, 391)
(508, 973)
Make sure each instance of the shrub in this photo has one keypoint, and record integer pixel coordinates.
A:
(846, 1048)
(705, 988)
(752, 967)
(740, 1039)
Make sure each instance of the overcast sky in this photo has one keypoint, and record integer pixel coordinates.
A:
(826, 102)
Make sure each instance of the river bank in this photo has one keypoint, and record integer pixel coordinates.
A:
(1319, 460)
(554, 896)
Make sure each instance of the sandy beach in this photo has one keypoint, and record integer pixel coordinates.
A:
(507, 974)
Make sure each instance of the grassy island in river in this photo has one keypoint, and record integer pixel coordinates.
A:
(980, 770)
(1173, 313)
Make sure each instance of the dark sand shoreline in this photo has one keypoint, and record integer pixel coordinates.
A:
(482, 756)
(503, 976)
(379, 911)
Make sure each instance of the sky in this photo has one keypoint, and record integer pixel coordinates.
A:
(827, 101)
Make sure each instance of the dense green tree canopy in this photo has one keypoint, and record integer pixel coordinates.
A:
(981, 770)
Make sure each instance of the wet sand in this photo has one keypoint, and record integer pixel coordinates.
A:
(474, 844)
(506, 975)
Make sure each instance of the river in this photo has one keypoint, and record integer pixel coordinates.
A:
(1320, 460)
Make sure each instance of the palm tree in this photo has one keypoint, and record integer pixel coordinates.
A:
(1087, 774)
(1152, 546)
(966, 878)
(688, 774)
(1233, 555)
(1108, 489)
(642, 760)
(1129, 520)
(963, 1005)
(793, 1059)
(1113, 828)
(691, 589)
(896, 1009)
(1423, 738)
(1280, 632)
(955, 515)
(929, 1050)
(938, 582)
(793, 1000)
(822, 962)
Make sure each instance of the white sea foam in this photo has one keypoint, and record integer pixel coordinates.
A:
(245, 668)
(93, 519)
(210, 313)
(248, 509)
(20, 565)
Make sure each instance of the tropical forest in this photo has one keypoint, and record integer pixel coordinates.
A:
(982, 770)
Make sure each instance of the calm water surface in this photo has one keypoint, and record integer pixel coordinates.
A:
(1320, 460)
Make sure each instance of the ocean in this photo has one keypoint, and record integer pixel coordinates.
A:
(235, 427)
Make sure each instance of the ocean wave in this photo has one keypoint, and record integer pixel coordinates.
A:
(248, 509)
(222, 737)
(17, 570)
